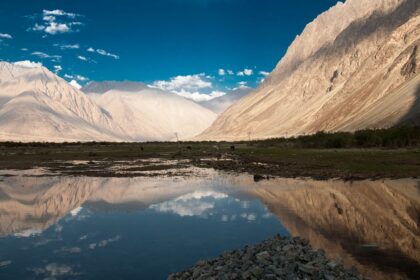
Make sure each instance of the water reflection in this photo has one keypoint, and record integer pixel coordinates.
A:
(123, 228)
(68, 227)
(373, 225)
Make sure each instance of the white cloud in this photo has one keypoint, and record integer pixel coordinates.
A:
(5, 36)
(38, 27)
(200, 97)
(54, 28)
(46, 56)
(230, 72)
(56, 22)
(57, 69)
(245, 72)
(104, 242)
(178, 83)
(193, 204)
(76, 211)
(103, 52)
(75, 84)
(250, 217)
(28, 233)
(5, 263)
(28, 64)
(264, 73)
(241, 85)
(195, 87)
(76, 77)
(24, 49)
(58, 13)
(67, 46)
(53, 271)
(221, 72)
(82, 58)
(49, 18)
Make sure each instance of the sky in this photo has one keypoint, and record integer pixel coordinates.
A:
(197, 48)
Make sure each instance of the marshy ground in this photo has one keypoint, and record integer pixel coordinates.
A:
(150, 159)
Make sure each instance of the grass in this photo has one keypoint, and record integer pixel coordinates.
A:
(277, 160)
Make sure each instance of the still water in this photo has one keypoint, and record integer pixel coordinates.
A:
(147, 228)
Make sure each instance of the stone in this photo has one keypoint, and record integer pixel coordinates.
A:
(276, 258)
(263, 255)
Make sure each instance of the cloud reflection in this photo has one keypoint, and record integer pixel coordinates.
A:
(189, 205)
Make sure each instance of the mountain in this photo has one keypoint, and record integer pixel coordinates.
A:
(150, 114)
(220, 104)
(102, 87)
(355, 66)
(36, 105)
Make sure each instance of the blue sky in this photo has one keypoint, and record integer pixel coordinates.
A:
(155, 40)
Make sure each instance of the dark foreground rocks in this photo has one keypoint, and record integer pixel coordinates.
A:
(275, 258)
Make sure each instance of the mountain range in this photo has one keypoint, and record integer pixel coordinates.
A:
(356, 66)
(37, 105)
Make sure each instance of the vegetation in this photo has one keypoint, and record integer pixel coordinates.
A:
(391, 153)
(396, 137)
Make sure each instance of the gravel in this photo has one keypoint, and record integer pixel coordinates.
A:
(276, 258)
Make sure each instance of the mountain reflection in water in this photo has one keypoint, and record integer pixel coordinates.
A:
(373, 225)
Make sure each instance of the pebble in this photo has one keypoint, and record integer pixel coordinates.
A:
(276, 258)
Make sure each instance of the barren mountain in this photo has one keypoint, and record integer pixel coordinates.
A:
(151, 114)
(355, 66)
(36, 105)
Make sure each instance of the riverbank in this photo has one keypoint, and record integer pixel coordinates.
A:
(275, 258)
(102, 159)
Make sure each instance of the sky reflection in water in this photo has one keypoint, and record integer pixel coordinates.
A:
(146, 228)
(122, 228)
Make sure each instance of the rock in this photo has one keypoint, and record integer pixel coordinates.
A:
(306, 268)
(263, 255)
(275, 258)
(258, 177)
(288, 247)
(257, 271)
(332, 264)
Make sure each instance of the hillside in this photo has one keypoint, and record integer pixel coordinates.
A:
(354, 67)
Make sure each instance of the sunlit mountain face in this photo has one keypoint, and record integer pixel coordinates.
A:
(76, 223)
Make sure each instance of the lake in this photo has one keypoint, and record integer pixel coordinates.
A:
(63, 227)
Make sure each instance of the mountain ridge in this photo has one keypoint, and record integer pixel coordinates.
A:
(356, 71)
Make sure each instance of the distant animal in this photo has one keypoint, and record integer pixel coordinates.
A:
(232, 148)
(141, 148)
(189, 148)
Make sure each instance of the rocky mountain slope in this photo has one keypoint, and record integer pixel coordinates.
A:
(36, 105)
(355, 66)
(151, 114)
